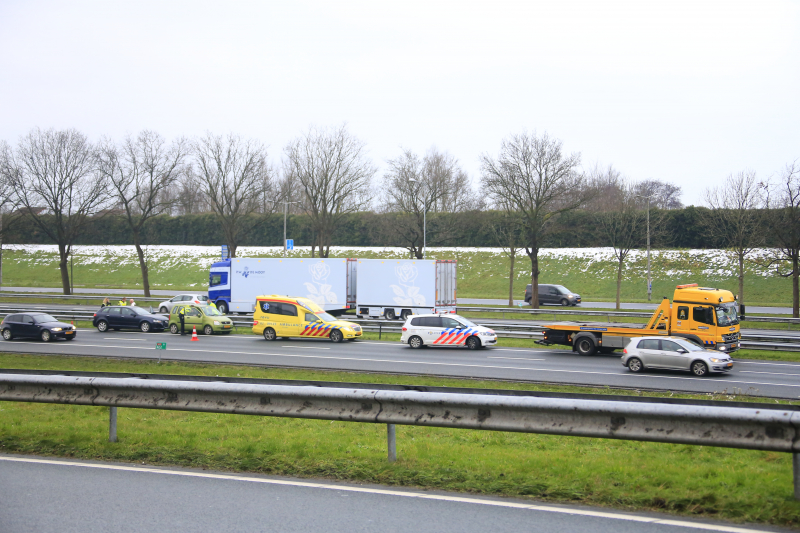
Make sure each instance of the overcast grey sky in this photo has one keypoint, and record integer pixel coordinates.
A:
(687, 92)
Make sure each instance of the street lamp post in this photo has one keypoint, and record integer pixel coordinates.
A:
(285, 212)
(424, 218)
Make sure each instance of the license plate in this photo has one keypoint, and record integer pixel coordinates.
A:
(69, 332)
(729, 365)
(226, 327)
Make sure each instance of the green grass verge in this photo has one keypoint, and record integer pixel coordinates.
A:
(737, 485)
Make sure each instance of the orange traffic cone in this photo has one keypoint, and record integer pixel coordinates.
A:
(194, 333)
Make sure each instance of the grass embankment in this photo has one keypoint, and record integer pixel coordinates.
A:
(483, 273)
(728, 484)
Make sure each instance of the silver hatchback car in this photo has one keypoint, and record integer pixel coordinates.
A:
(674, 353)
(182, 299)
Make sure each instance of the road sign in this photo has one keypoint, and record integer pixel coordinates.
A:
(290, 244)
(161, 346)
(225, 253)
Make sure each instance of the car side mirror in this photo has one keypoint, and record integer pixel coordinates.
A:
(681, 350)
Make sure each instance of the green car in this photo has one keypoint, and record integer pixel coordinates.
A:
(205, 318)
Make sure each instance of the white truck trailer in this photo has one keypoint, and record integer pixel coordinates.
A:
(392, 288)
(235, 283)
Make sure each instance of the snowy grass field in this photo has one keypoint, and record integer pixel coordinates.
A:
(482, 272)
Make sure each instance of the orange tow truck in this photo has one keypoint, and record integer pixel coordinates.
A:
(704, 315)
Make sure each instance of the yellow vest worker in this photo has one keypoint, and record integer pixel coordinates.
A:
(122, 302)
(182, 317)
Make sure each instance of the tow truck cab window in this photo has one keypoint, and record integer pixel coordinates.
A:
(703, 315)
(683, 313)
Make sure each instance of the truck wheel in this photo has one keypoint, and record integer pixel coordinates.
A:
(390, 314)
(415, 342)
(404, 314)
(635, 364)
(222, 307)
(269, 334)
(585, 346)
(336, 336)
(473, 343)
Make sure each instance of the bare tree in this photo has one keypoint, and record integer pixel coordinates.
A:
(507, 233)
(330, 169)
(735, 217)
(55, 170)
(234, 177)
(622, 221)
(8, 200)
(534, 179)
(141, 171)
(423, 194)
(664, 195)
(784, 222)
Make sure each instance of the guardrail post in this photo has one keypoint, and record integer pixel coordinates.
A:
(380, 330)
(796, 474)
(391, 439)
(112, 425)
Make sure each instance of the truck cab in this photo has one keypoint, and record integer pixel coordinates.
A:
(219, 285)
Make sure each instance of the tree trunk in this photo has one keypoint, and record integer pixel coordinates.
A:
(142, 264)
(795, 289)
(741, 278)
(511, 258)
(231, 250)
(534, 255)
(63, 255)
(619, 281)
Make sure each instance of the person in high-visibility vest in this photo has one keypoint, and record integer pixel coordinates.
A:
(122, 302)
(182, 317)
(212, 304)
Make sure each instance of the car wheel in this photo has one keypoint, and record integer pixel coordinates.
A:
(7, 334)
(163, 310)
(173, 328)
(404, 314)
(145, 327)
(222, 307)
(336, 336)
(585, 346)
(635, 364)
(390, 314)
(208, 330)
(102, 326)
(269, 334)
(46, 335)
(565, 302)
(699, 368)
(473, 343)
(415, 342)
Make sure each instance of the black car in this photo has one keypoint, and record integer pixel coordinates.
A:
(128, 317)
(553, 294)
(37, 326)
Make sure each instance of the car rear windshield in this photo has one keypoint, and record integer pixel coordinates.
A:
(43, 319)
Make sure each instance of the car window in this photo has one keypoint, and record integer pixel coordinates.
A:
(128, 312)
(691, 345)
(432, 322)
(203, 298)
(139, 310)
(649, 344)
(211, 311)
(185, 298)
(193, 311)
(43, 319)
(13, 318)
(450, 323)
(671, 346)
(416, 321)
(26, 319)
(704, 315)
(266, 307)
(311, 317)
(288, 309)
(113, 311)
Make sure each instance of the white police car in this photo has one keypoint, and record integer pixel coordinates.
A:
(446, 330)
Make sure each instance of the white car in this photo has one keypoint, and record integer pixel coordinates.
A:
(674, 353)
(166, 307)
(446, 330)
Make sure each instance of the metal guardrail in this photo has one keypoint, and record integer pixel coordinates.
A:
(99, 296)
(757, 427)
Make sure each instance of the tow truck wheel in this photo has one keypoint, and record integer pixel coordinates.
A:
(585, 346)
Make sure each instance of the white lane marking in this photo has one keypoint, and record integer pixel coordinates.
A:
(513, 358)
(796, 365)
(400, 493)
(630, 374)
(520, 350)
(306, 347)
(135, 340)
(770, 373)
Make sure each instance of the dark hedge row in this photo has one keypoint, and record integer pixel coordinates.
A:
(680, 228)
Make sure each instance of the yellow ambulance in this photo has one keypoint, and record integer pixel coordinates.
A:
(284, 316)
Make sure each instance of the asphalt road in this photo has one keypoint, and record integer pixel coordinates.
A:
(41, 495)
(461, 301)
(759, 378)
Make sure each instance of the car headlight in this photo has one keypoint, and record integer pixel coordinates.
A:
(717, 360)
(216, 322)
(55, 329)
